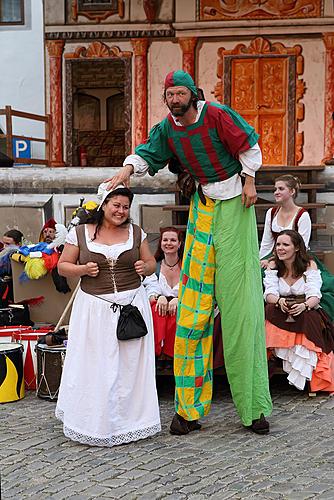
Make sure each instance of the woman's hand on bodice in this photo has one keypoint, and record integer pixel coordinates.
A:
(264, 263)
(92, 269)
(172, 306)
(162, 305)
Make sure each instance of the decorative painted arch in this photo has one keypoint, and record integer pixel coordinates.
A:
(279, 102)
(96, 51)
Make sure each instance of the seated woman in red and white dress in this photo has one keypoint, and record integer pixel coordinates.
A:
(164, 301)
(298, 331)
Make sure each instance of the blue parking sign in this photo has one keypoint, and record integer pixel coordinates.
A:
(21, 149)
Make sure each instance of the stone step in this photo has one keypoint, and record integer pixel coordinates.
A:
(304, 187)
(315, 225)
(290, 169)
(185, 208)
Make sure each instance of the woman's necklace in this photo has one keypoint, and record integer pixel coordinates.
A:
(171, 267)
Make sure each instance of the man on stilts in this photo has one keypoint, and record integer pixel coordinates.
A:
(218, 148)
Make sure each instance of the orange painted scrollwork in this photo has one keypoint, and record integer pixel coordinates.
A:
(260, 9)
(97, 50)
(256, 81)
(188, 46)
(329, 97)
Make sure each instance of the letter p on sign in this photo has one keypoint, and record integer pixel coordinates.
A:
(21, 149)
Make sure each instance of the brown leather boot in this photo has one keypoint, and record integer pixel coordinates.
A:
(180, 425)
(259, 426)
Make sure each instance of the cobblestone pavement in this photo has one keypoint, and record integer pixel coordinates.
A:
(223, 460)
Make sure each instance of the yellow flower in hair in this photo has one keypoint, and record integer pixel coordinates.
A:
(90, 205)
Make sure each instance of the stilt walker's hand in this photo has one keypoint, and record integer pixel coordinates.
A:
(249, 195)
(123, 177)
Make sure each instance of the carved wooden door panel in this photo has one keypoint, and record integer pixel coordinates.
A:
(259, 92)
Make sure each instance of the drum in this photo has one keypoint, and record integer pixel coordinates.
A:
(50, 361)
(15, 314)
(28, 338)
(6, 332)
(11, 372)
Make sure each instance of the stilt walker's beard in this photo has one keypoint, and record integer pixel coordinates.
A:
(180, 109)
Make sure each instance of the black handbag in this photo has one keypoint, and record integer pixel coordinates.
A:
(131, 324)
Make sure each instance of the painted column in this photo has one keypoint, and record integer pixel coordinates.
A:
(140, 47)
(55, 51)
(329, 97)
(188, 46)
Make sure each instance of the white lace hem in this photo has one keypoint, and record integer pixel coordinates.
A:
(299, 363)
(107, 441)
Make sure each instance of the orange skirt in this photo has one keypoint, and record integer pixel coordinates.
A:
(323, 374)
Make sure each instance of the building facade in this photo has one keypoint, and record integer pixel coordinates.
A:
(105, 63)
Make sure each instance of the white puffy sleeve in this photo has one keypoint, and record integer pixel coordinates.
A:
(267, 242)
(71, 238)
(305, 227)
(251, 160)
(313, 283)
(152, 285)
(271, 283)
(140, 166)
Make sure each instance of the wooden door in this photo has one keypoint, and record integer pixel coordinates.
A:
(259, 92)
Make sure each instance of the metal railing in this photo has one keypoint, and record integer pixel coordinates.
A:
(9, 135)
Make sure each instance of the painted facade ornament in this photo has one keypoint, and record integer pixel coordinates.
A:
(188, 46)
(329, 98)
(151, 8)
(97, 50)
(98, 11)
(140, 48)
(262, 82)
(55, 51)
(108, 35)
(258, 9)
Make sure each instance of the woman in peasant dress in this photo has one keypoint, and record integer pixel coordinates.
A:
(298, 331)
(108, 392)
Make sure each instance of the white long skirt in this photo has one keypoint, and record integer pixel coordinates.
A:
(108, 393)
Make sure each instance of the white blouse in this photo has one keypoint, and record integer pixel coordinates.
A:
(155, 286)
(109, 251)
(166, 289)
(268, 241)
(308, 284)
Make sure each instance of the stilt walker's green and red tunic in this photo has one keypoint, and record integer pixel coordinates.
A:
(221, 262)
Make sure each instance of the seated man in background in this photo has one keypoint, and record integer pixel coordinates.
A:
(12, 237)
(11, 240)
(48, 232)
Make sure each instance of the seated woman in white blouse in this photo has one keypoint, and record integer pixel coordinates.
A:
(298, 331)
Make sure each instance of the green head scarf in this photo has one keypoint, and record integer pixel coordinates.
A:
(180, 78)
